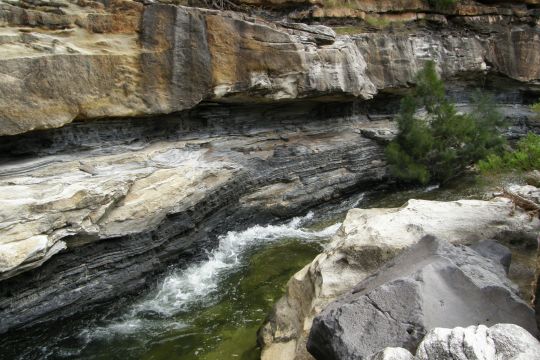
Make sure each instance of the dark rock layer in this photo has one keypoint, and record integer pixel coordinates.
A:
(309, 160)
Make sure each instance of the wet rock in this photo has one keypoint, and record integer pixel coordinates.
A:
(433, 284)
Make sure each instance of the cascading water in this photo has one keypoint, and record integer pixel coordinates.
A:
(198, 283)
(199, 311)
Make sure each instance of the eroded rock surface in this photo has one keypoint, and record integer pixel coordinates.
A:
(433, 284)
(500, 341)
(477, 342)
(370, 237)
(63, 61)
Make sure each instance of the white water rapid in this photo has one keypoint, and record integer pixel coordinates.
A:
(199, 282)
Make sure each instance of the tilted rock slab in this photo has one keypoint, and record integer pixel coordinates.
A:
(433, 284)
(367, 239)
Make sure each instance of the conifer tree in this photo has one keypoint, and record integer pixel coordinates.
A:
(441, 144)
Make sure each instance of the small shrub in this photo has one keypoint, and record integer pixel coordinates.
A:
(378, 22)
(525, 157)
(441, 145)
(348, 30)
(536, 108)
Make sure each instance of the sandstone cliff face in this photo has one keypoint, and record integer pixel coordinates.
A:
(173, 60)
(72, 61)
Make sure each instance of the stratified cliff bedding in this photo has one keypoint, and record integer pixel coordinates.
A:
(264, 119)
(99, 220)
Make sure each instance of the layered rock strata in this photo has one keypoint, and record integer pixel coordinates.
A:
(84, 226)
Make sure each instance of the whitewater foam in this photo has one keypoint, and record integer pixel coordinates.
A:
(197, 283)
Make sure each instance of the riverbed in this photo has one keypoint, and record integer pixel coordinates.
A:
(211, 308)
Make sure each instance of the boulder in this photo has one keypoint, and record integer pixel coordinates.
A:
(533, 178)
(390, 353)
(370, 237)
(433, 284)
(501, 341)
(477, 342)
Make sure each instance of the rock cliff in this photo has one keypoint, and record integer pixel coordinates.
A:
(73, 60)
(133, 132)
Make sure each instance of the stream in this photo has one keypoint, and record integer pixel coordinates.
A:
(211, 308)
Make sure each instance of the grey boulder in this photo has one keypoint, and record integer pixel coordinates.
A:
(433, 284)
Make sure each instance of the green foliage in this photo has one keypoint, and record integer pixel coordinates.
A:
(441, 145)
(378, 22)
(525, 157)
(348, 30)
(536, 108)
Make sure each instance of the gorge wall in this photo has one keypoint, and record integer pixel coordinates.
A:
(132, 133)
(76, 60)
